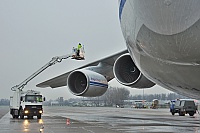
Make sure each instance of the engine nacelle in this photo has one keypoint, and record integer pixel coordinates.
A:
(127, 73)
(87, 83)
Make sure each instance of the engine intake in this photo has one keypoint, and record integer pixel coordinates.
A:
(127, 73)
(87, 83)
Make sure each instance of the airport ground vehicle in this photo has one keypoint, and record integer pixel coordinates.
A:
(29, 103)
(183, 106)
(155, 103)
(26, 103)
(119, 106)
(139, 104)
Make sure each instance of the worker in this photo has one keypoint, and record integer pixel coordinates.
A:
(38, 99)
(172, 105)
(78, 49)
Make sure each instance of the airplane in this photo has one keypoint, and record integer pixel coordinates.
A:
(163, 48)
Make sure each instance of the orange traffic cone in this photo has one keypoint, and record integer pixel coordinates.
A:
(67, 122)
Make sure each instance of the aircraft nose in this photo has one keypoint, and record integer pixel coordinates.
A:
(167, 16)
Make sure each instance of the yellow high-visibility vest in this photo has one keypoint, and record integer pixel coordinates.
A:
(79, 47)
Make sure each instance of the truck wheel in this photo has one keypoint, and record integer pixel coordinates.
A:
(13, 115)
(181, 114)
(21, 114)
(16, 116)
(191, 113)
(39, 116)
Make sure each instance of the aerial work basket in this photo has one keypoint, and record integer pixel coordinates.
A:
(81, 54)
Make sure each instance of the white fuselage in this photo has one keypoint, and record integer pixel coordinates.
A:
(162, 37)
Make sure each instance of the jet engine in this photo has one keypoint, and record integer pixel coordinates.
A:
(87, 83)
(127, 73)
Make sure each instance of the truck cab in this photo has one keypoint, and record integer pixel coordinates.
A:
(31, 105)
(27, 103)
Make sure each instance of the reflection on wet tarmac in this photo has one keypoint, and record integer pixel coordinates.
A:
(26, 125)
(106, 120)
(40, 121)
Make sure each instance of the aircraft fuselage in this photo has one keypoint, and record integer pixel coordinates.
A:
(162, 37)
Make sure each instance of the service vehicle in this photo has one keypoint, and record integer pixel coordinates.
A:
(140, 104)
(155, 103)
(26, 103)
(29, 103)
(183, 106)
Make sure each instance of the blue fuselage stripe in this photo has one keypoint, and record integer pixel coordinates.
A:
(121, 6)
(98, 84)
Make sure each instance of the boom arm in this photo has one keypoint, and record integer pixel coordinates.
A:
(53, 61)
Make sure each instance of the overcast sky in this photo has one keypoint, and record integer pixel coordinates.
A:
(34, 31)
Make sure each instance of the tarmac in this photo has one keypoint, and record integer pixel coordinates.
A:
(61, 119)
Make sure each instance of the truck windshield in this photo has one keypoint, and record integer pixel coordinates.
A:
(33, 98)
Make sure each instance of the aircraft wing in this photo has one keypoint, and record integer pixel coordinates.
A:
(60, 80)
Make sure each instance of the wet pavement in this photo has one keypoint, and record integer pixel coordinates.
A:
(102, 120)
(3, 110)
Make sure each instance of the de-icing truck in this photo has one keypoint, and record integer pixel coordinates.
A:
(29, 103)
